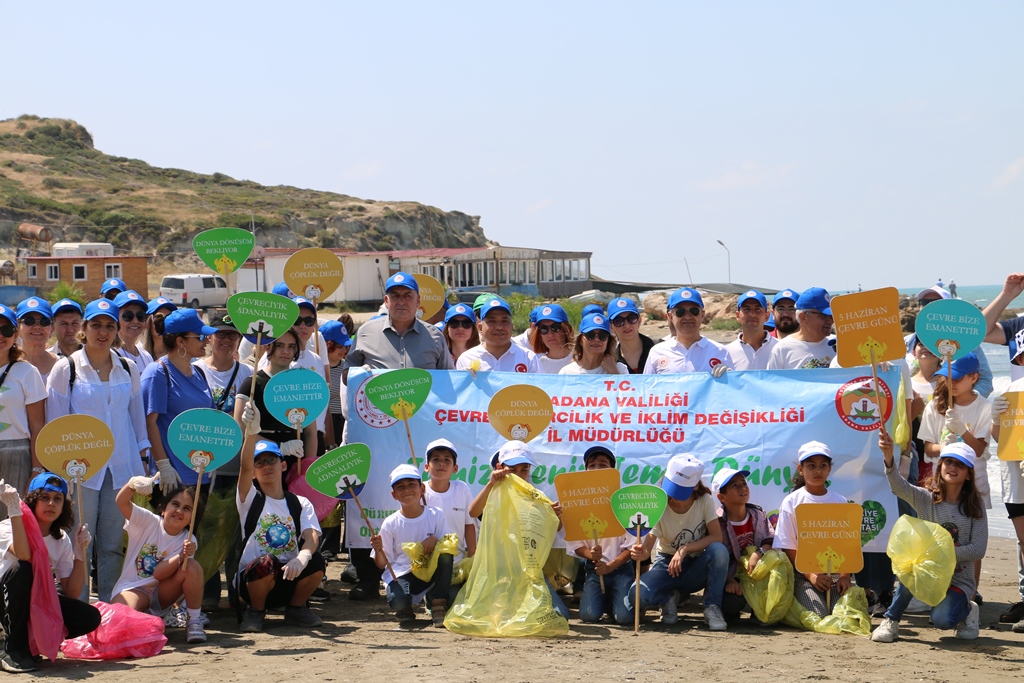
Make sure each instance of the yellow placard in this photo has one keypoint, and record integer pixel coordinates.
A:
(1011, 428)
(74, 445)
(431, 295)
(313, 273)
(520, 412)
(828, 538)
(865, 321)
(586, 500)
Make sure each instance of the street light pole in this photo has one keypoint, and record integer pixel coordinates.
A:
(728, 256)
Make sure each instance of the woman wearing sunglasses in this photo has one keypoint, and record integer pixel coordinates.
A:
(132, 309)
(22, 410)
(594, 350)
(460, 330)
(552, 340)
(35, 325)
(633, 347)
(95, 381)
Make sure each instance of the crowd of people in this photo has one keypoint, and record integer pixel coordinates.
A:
(137, 364)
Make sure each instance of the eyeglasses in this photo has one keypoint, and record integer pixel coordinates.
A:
(32, 321)
(784, 309)
(308, 321)
(630, 319)
(456, 323)
(227, 334)
(8, 330)
(680, 311)
(548, 329)
(599, 335)
(264, 463)
(128, 316)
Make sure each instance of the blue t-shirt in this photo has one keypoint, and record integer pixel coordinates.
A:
(184, 393)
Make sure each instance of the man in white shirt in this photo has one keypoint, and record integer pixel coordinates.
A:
(688, 351)
(754, 345)
(496, 350)
(809, 347)
(784, 311)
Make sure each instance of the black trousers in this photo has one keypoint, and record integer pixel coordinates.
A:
(16, 592)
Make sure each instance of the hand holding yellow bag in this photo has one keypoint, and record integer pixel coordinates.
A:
(769, 588)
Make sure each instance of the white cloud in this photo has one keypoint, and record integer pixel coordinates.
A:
(1012, 171)
(749, 174)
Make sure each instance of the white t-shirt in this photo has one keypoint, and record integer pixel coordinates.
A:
(552, 366)
(523, 340)
(672, 357)
(454, 503)
(516, 359)
(978, 417)
(398, 529)
(148, 544)
(275, 533)
(141, 361)
(218, 382)
(785, 527)
(795, 354)
(62, 555)
(743, 356)
(1009, 470)
(574, 369)
(675, 530)
(22, 386)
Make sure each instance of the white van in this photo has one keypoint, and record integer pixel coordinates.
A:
(195, 290)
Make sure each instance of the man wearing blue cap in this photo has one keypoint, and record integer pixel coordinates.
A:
(524, 339)
(688, 351)
(67, 322)
(496, 350)
(808, 347)
(784, 313)
(112, 287)
(751, 350)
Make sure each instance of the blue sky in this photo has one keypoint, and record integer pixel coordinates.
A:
(825, 143)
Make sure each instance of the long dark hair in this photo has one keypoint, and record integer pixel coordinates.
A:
(65, 520)
(970, 503)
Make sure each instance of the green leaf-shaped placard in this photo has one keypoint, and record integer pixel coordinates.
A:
(296, 397)
(204, 437)
(399, 392)
(224, 250)
(248, 310)
(642, 504)
(327, 475)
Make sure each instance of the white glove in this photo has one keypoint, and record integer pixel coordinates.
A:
(297, 565)
(719, 370)
(1022, 466)
(954, 424)
(884, 366)
(169, 478)
(83, 538)
(9, 497)
(1000, 404)
(294, 448)
(142, 485)
(251, 419)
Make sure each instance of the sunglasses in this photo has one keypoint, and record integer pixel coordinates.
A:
(32, 321)
(128, 316)
(308, 321)
(265, 462)
(680, 311)
(599, 335)
(464, 323)
(200, 337)
(548, 329)
(630, 319)
(8, 330)
(227, 334)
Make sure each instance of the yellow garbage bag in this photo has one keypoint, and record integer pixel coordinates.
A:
(461, 571)
(849, 615)
(424, 566)
(923, 558)
(560, 568)
(769, 588)
(506, 595)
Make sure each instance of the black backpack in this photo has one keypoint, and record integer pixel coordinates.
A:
(253, 518)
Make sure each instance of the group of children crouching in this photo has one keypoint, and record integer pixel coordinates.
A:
(693, 547)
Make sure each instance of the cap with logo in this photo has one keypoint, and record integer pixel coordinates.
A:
(495, 304)
(66, 306)
(752, 295)
(534, 312)
(405, 472)
(440, 443)
(401, 280)
(113, 284)
(34, 304)
(785, 295)
(99, 307)
(301, 301)
(552, 312)
(681, 476)
(281, 289)
(811, 449)
(594, 321)
(9, 315)
(48, 481)
(129, 297)
(460, 309)
(334, 331)
(959, 451)
(685, 295)
(620, 306)
(264, 446)
(511, 454)
(159, 303)
(814, 299)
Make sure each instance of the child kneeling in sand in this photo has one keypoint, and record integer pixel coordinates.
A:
(743, 524)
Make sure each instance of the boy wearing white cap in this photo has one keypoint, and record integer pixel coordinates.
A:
(453, 498)
(743, 524)
(412, 523)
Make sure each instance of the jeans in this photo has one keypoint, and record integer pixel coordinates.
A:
(706, 571)
(401, 591)
(106, 524)
(616, 585)
(556, 601)
(953, 609)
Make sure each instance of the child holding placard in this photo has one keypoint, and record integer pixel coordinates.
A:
(158, 545)
(690, 554)
(453, 498)
(950, 500)
(743, 524)
(608, 558)
(814, 464)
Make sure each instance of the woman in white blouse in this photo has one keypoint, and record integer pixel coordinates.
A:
(594, 350)
(96, 381)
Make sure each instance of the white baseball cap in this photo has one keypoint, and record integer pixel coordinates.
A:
(440, 443)
(404, 472)
(811, 449)
(723, 477)
(681, 476)
(959, 451)
(513, 453)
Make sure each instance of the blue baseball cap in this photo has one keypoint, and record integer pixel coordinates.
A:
(100, 307)
(34, 304)
(594, 321)
(495, 304)
(814, 299)
(186, 320)
(264, 446)
(552, 312)
(281, 289)
(113, 284)
(65, 306)
(965, 365)
(685, 295)
(592, 308)
(959, 451)
(9, 314)
(534, 313)
(752, 294)
(460, 309)
(303, 301)
(771, 321)
(785, 294)
(335, 331)
(48, 481)
(158, 303)
(617, 307)
(401, 279)
(129, 297)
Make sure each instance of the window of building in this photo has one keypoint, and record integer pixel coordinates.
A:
(489, 277)
(52, 271)
(112, 270)
(574, 265)
(533, 273)
(558, 271)
(584, 269)
(503, 272)
(79, 272)
(33, 271)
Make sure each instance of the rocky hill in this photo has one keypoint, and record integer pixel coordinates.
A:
(51, 174)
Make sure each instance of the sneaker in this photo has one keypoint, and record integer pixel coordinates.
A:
(364, 592)
(15, 663)
(407, 614)
(887, 631)
(1012, 615)
(1018, 627)
(670, 610)
(438, 608)
(969, 627)
(714, 619)
(348, 574)
(320, 595)
(301, 616)
(978, 599)
(175, 616)
(252, 620)
(194, 632)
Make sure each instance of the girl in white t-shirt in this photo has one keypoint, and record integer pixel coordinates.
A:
(814, 465)
(158, 564)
